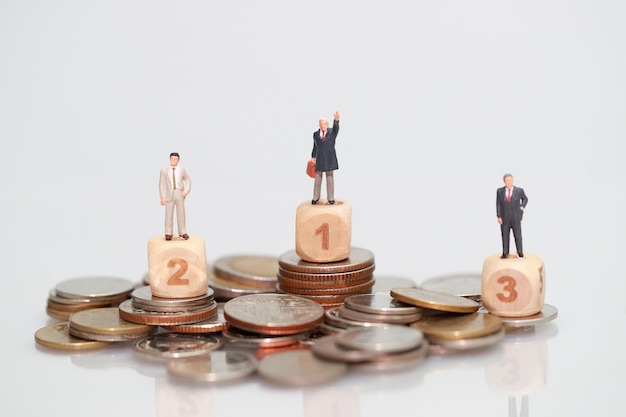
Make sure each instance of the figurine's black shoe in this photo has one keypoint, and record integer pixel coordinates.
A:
(168, 237)
(504, 255)
(314, 201)
(184, 237)
(331, 201)
(520, 254)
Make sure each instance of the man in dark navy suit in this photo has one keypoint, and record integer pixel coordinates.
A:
(510, 204)
(325, 158)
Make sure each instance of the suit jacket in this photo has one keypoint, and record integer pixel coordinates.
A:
(510, 211)
(166, 186)
(324, 150)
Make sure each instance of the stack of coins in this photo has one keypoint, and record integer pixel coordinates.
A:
(328, 284)
(235, 275)
(451, 323)
(368, 310)
(388, 347)
(78, 294)
(144, 308)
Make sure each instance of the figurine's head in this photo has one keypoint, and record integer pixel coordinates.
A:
(323, 124)
(174, 157)
(508, 180)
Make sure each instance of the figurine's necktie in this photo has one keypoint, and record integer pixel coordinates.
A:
(323, 135)
(508, 195)
(174, 177)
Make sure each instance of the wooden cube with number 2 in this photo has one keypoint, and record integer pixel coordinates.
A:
(177, 268)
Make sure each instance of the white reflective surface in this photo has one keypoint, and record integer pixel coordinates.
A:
(437, 101)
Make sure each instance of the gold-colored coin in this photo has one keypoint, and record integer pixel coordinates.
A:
(435, 300)
(458, 326)
(107, 321)
(57, 336)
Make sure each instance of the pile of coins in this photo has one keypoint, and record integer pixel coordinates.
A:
(144, 308)
(286, 338)
(78, 294)
(236, 275)
(328, 284)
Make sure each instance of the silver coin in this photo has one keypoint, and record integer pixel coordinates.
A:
(143, 295)
(327, 348)
(462, 285)
(300, 368)
(94, 287)
(380, 304)
(216, 366)
(466, 344)
(547, 313)
(350, 314)
(385, 283)
(359, 258)
(395, 361)
(253, 270)
(392, 338)
(176, 345)
(225, 290)
(332, 317)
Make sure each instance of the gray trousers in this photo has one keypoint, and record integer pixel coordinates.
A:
(178, 202)
(330, 185)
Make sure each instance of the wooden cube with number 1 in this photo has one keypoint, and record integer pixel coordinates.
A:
(177, 268)
(323, 231)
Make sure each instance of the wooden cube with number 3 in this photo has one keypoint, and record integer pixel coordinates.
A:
(177, 268)
(323, 231)
(513, 287)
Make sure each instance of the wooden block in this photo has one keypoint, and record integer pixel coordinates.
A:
(513, 287)
(323, 231)
(177, 268)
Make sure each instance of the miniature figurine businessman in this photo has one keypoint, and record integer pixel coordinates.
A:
(174, 185)
(325, 158)
(510, 204)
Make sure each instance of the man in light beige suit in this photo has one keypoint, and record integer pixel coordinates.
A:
(174, 185)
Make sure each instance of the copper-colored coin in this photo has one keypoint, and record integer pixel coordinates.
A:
(458, 326)
(359, 258)
(57, 336)
(130, 313)
(253, 270)
(380, 304)
(273, 314)
(106, 324)
(244, 338)
(336, 276)
(54, 298)
(328, 291)
(435, 300)
(144, 300)
(336, 283)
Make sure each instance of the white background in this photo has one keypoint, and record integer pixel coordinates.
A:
(438, 99)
